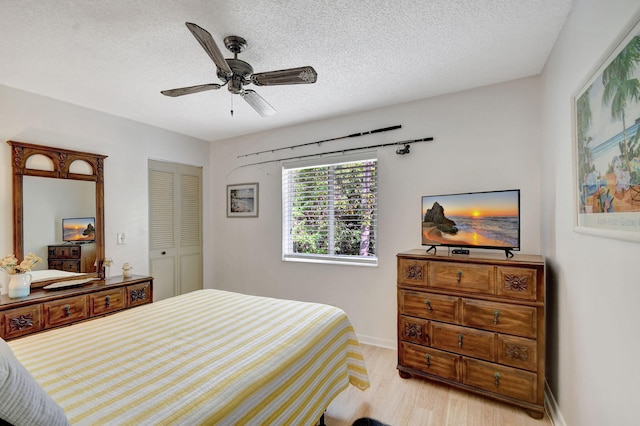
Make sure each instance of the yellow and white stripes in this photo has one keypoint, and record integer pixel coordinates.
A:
(206, 357)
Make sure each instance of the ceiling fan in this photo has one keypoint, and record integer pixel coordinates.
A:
(236, 73)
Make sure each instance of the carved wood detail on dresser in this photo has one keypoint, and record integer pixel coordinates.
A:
(474, 322)
(46, 309)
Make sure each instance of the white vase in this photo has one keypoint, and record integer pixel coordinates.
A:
(19, 285)
(126, 270)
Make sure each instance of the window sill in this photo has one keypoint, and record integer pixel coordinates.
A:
(331, 260)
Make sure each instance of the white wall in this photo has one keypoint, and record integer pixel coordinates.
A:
(594, 284)
(36, 119)
(485, 139)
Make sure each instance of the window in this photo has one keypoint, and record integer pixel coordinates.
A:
(330, 212)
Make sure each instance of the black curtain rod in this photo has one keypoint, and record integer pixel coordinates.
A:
(342, 151)
(384, 129)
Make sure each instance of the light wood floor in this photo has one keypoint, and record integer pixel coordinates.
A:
(416, 402)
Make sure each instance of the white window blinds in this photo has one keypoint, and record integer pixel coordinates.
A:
(330, 212)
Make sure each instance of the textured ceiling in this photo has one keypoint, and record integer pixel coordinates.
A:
(116, 56)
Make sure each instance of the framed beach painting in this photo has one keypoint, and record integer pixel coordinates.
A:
(607, 145)
(242, 200)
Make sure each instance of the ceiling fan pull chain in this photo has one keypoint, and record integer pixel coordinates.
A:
(232, 105)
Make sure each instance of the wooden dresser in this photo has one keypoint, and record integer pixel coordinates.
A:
(72, 257)
(46, 309)
(474, 322)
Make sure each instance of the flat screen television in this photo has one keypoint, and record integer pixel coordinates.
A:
(487, 220)
(79, 229)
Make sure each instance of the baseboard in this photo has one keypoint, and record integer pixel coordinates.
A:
(552, 407)
(376, 341)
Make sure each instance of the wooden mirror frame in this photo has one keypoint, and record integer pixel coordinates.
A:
(62, 160)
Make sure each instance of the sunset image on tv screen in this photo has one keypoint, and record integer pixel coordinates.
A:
(80, 229)
(481, 219)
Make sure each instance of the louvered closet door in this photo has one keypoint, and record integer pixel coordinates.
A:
(175, 228)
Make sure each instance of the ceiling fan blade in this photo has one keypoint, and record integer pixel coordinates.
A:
(192, 89)
(209, 45)
(258, 103)
(300, 75)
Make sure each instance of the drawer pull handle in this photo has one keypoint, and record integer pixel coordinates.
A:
(495, 316)
(428, 360)
(107, 301)
(459, 276)
(460, 336)
(67, 310)
(497, 376)
(428, 303)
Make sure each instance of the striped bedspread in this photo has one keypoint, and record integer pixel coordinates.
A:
(206, 357)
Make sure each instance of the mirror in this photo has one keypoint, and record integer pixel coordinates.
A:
(66, 184)
(45, 202)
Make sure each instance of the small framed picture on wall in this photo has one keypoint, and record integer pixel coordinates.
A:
(242, 200)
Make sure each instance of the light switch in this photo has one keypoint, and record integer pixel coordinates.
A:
(121, 237)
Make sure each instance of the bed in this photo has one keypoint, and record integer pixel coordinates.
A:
(206, 357)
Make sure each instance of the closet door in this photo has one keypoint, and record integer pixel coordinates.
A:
(175, 228)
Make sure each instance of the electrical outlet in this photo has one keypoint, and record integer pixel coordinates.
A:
(121, 237)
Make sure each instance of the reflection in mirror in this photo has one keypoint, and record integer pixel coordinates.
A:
(45, 203)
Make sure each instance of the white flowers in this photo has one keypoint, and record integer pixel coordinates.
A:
(11, 266)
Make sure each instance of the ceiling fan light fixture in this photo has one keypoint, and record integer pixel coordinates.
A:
(235, 85)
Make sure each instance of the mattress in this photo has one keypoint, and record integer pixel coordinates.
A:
(206, 357)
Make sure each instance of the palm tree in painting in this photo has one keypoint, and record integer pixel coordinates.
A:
(621, 88)
(583, 114)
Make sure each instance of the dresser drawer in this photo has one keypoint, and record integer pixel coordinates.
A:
(138, 294)
(518, 352)
(21, 321)
(429, 306)
(462, 340)
(65, 252)
(65, 311)
(430, 361)
(519, 283)
(107, 301)
(65, 265)
(500, 379)
(502, 317)
(414, 330)
(412, 272)
(462, 277)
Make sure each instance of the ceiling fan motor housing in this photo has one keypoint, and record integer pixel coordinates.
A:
(242, 72)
